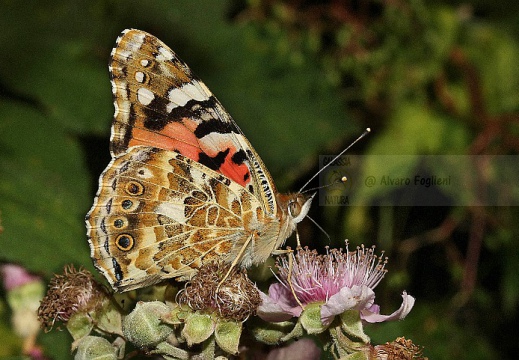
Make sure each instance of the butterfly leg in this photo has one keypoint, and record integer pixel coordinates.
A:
(235, 261)
(290, 265)
(297, 239)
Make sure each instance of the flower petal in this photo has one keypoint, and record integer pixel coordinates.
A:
(356, 297)
(372, 315)
(270, 310)
(278, 305)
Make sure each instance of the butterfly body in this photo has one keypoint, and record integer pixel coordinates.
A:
(184, 186)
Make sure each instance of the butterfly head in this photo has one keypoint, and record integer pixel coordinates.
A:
(298, 206)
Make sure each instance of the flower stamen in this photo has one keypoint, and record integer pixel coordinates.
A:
(316, 277)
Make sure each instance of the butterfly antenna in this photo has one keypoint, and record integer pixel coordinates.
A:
(343, 179)
(320, 228)
(366, 132)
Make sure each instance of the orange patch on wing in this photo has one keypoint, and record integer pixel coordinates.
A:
(179, 136)
(236, 172)
(174, 136)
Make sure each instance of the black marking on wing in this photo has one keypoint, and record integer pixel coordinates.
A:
(224, 180)
(239, 157)
(117, 147)
(156, 115)
(124, 167)
(106, 245)
(214, 126)
(117, 270)
(108, 206)
(102, 226)
(213, 162)
(263, 181)
(193, 109)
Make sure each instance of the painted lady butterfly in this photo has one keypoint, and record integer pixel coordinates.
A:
(184, 187)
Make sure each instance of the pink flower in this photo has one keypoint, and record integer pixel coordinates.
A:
(339, 280)
(14, 276)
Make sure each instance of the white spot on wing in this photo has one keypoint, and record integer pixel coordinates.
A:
(164, 54)
(145, 62)
(139, 76)
(196, 91)
(181, 95)
(213, 140)
(137, 41)
(145, 96)
(198, 177)
(141, 155)
(172, 210)
(122, 53)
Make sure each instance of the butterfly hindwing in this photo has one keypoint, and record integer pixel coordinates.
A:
(160, 215)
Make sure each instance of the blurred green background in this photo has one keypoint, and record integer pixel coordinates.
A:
(302, 79)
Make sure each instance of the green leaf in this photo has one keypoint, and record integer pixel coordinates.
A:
(352, 326)
(56, 344)
(44, 191)
(57, 63)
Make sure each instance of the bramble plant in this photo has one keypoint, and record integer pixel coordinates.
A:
(328, 298)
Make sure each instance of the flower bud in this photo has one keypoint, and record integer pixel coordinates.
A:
(401, 348)
(95, 348)
(73, 292)
(219, 288)
(144, 326)
(198, 328)
(227, 335)
(272, 333)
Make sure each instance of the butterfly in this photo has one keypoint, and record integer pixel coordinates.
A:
(184, 186)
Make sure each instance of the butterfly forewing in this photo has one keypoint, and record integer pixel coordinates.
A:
(160, 103)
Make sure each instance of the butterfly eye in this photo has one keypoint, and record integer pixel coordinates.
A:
(124, 242)
(134, 188)
(294, 208)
